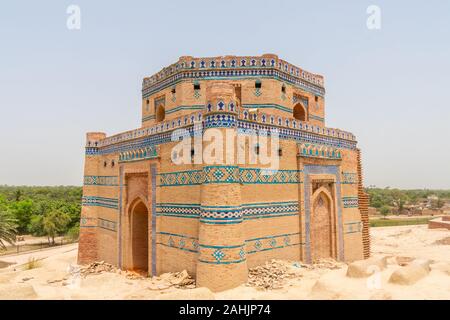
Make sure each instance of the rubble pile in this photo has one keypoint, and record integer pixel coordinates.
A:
(270, 276)
(171, 279)
(180, 280)
(97, 268)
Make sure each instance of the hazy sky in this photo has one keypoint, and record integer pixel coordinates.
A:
(390, 87)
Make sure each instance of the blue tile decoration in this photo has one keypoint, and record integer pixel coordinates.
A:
(220, 121)
(111, 203)
(314, 117)
(269, 210)
(107, 224)
(267, 176)
(311, 150)
(181, 178)
(350, 202)
(177, 241)
(272, 242)
(220, 174)
(239, 68)
(194, 123)
(317, 169)
(138, 154)
(178, 210)
(248, 211)
(218, 254)
(87, 222)
(299, 134)
(221, 214)
(229, 174)
(101, 181)
(349, 178)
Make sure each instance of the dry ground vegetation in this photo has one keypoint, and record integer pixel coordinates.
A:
(409, 262)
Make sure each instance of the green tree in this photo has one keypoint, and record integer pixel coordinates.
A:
(54, 223)
(18, 195)
(7, 229)
(384, 210)
(36, 227)
(74, 232)
(22, 211)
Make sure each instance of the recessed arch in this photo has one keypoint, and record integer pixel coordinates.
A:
(138, 214)
(160, 113)
(300, 112)
(322, 225)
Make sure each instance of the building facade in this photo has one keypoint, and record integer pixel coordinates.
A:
(143, 209)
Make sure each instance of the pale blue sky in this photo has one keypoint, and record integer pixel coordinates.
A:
(390, 87)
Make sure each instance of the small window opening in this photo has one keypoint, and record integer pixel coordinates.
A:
(280, 152)
(196, 86)
(173, 91)
(105, 163)
(258, 85)
(316, 98)
(257, 150)
(283, 89)
(160, 113)
(112, 163)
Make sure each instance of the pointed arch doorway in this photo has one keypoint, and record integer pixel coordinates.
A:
(139, 225)
(321, 226)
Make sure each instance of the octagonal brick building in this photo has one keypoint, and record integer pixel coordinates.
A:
(141, 211)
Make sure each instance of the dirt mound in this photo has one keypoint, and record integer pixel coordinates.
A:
(445, 241)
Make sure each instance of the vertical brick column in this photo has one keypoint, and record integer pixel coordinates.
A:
(221, 261)
(363, 200)
(87, 244)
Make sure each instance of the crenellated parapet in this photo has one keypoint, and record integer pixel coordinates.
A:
(226, 67)
(221, 115)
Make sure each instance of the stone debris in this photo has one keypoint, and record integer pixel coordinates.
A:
(171, 279)
(180, 280)
(272, 275)
(97, 268)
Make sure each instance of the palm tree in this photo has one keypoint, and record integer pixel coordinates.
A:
(7, 229)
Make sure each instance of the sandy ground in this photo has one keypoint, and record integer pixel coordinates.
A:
(55, 276)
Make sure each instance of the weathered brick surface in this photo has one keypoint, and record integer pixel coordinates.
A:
(142, 219)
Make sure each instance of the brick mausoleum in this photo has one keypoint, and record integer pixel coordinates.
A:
(142, 211)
